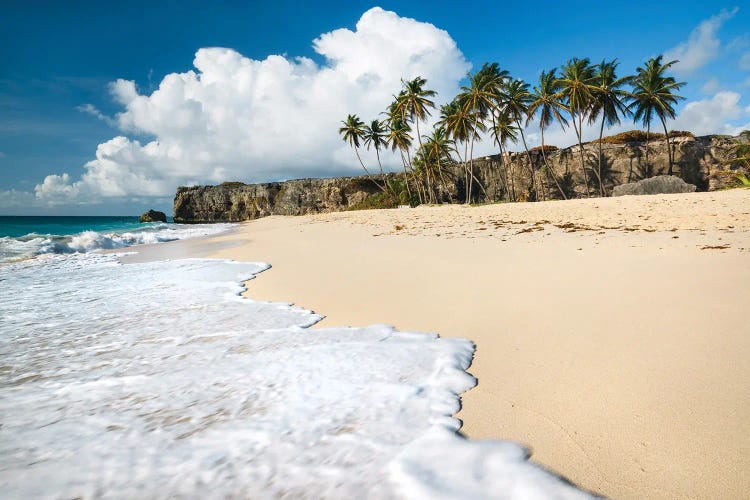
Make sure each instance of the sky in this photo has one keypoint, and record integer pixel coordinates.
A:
(105, 107)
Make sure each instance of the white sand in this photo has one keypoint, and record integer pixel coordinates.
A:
(620, 355)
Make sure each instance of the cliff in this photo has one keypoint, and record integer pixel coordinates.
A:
(708, 162)
(235, 201)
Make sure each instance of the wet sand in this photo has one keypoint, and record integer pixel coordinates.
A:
(612, 334)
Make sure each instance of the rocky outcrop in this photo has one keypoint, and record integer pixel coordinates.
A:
(153, 216)
(235, 201)
(708, 162)
(661, 184)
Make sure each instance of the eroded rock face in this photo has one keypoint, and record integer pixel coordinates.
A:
(707, 163)
(233, 202)
(153, 216)
(661, 184)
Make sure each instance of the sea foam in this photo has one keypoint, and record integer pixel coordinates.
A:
(30, 245)
(158, 380)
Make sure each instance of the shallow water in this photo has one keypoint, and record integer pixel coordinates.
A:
(25, 237)
(157, 379)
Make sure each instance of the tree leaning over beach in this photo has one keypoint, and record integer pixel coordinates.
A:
(608, 99)
(374, 135)
(480, 100)
(546, 101)
(493, 101)
(414, 103)
(654, 93)
(577, 82)
(503, 132)
(399, 137)
(514, 100)
(353, 131)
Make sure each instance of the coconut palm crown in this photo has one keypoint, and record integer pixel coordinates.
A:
(654, 94)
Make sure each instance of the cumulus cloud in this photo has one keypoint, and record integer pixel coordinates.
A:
(236, 118)
(16, 199)
(713, 115)
(701, 46)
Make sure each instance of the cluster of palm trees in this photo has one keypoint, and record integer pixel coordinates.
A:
(494, 103)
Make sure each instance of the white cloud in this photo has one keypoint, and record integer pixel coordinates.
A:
(711, 86)
(744, 62)
(701, 46)
(16, 199)
(713, 115)
(235, 118)
(90, 109)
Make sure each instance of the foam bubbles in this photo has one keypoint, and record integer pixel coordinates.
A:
(158, 380)
(19, 248)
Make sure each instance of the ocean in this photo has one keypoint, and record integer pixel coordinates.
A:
(25, 237)
(159, 380)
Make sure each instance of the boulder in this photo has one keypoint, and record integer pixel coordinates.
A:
(661, 184)
(153, 216)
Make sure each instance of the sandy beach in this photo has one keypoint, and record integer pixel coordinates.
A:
(611, 334)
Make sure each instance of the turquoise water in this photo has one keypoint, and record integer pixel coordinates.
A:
(15, 226)
(27, 237)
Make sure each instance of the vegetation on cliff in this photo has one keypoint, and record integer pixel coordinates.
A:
(497, 104)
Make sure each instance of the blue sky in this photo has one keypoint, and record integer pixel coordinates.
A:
(59, 58)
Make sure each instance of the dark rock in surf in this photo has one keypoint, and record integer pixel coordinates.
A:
(153, 216)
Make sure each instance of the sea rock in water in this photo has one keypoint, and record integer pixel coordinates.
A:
(153, 216)
(661, 184)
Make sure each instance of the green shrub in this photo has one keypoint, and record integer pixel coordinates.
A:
(630, 136)
(548, 148)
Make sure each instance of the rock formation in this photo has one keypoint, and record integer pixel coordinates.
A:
(235, 201)
(661, 184)
(707, 162)
(153, 216)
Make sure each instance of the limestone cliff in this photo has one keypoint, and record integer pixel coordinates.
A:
(707, 162)
(235, 201)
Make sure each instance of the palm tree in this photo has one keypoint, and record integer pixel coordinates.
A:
(514, 100)
(654, 94)
(577, 81)
(353, 131)
(546, 102)
(399, 137)
(414, 103)
(374, 135)
(503, 132)
(479, 99)
(436, 156)
(608, 99)
(461, 125)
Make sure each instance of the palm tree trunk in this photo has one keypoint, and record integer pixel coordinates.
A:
(669, 148)
(406, 175)
(356, 151)
(579, 132)
(382, 174)
(414, 176)
(509, 168)
(471, 168)
(552, 171)
(648, 135)
(599, 174)
(528, 157)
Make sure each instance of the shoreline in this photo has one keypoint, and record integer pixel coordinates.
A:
(612, 400)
